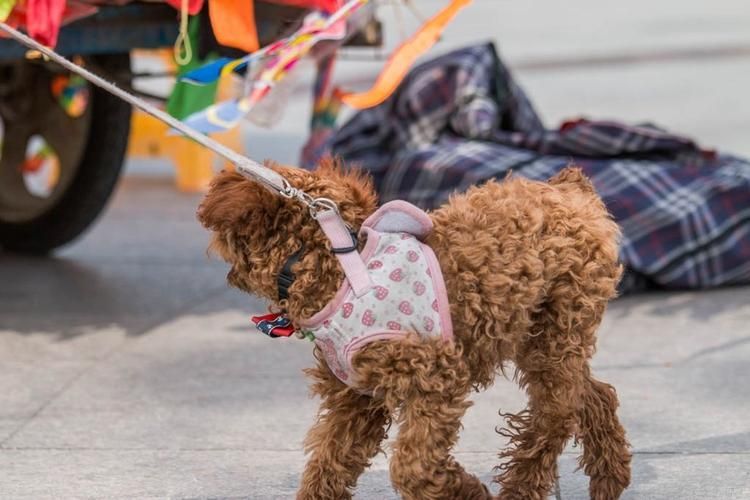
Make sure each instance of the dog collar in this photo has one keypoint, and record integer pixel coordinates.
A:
(286, 277)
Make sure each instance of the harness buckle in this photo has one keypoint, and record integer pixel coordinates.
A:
(274, 325)
(320, 205)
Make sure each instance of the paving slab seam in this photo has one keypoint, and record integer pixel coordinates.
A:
(62, 390)
(690, 54)
(213, 293)
(615, 59)
(146, 263)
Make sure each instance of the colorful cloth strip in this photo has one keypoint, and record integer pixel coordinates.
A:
(278, 60)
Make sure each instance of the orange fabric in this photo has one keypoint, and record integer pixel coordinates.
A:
(233, 22)
(403, 58)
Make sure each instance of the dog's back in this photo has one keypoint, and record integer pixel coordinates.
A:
(529, 268)
(509, 249)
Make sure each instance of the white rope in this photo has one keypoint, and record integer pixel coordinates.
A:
(244, 165)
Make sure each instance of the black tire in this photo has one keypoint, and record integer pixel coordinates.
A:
(95, 178)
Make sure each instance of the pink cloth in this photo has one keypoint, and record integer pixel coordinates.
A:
(43, 20)
(194, 6)
(406, 292)
(324, 5)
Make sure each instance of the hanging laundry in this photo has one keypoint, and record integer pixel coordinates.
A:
(43, 18)
(214, 70)
(279, 59)
(233, 22)
(219, 117)
(208, 73)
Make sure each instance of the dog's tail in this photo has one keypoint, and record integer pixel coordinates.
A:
(601, 229)
(574, 177)
(573, 181)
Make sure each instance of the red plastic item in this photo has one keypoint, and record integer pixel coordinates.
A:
(194, 6)
(324, 5)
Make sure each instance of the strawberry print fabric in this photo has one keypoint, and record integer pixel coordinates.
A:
(405, 298)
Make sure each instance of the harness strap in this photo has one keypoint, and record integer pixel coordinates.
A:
(286, 277)
(344, 246)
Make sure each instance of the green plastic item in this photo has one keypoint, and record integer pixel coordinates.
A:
(187, 99)
(6, 7)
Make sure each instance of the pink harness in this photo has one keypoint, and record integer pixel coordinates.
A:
(393, 288)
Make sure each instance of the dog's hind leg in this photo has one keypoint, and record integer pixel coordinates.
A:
(553, 379)
(553, 366)
(606, 455)
(346, 436)
(427, 381)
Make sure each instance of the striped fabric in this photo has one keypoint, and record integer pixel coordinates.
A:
(461, 119)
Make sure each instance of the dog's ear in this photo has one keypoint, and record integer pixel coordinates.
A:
(234, 201)
(358, 197)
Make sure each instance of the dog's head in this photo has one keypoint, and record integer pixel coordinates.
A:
(257, 231)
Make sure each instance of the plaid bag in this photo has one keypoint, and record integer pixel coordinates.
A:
(461, 119)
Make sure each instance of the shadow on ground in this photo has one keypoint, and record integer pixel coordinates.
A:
(145, 263)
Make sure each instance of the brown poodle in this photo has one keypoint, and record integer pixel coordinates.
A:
(529, 268)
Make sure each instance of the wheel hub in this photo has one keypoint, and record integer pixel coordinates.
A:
(38, 138)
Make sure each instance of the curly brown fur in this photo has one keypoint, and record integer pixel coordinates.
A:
(256, 231)
(346, 436)
(427, 384)
(529, 269)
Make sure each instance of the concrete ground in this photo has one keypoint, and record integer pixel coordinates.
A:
(129, 370)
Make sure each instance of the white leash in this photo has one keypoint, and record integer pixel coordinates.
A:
(244, 165)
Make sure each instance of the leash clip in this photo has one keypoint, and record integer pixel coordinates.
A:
(320, 205)
(315, 205)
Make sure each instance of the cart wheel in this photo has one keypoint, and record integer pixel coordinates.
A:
(63, 145)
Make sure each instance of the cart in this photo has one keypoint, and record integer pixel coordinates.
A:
(85, 147)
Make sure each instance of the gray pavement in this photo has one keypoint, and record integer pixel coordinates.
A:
(129, 370)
